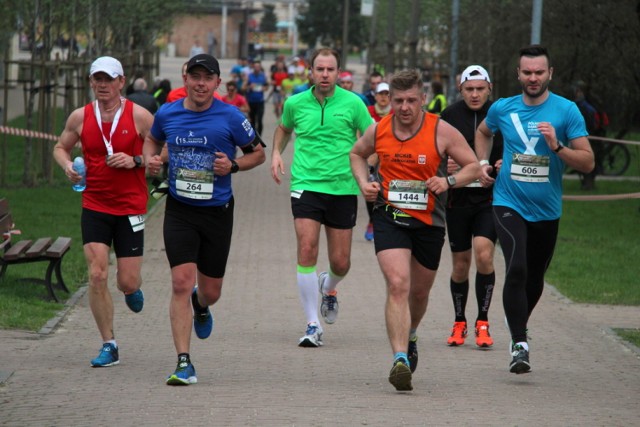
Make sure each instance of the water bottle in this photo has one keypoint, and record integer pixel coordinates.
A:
(78, 166)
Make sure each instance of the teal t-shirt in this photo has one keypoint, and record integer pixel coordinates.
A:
(325, 135)
(530, 179)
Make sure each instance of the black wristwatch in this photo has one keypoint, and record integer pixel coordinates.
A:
(560, 147)
(137, 160)
(234, 166)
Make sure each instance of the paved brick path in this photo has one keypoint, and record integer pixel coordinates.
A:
(251, 371)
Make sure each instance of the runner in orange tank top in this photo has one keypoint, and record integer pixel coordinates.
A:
(408, 218)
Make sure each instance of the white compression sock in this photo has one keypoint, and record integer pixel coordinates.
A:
(309, 295)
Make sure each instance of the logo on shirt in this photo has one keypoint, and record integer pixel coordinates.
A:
(191, 139)
(246, 125)
(422, 159)
(532, 128)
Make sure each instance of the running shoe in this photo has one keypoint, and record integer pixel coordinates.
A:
(108, 356)
(312, 337)
(135, 301)
(458, 334)
(368, 234)
(400, 375)
(185, 374)
(412, 354)
(526, 331)
(519, 360)
(483, 338)
(202, 318)
(329, 305)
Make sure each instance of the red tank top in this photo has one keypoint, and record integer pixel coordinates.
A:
(112, 190)
(414, 160)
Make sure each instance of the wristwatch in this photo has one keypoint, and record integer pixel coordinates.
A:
(560, 147)
(137, 160)
(451, 180)
(234, 166)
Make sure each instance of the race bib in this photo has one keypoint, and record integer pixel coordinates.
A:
(409, 194)
(193, 184)
(137, 222)
(530, 168)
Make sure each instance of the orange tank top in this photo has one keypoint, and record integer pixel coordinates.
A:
(405, 165)
(110, 190)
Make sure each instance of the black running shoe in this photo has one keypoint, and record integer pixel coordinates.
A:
(520, 360)
(412, 354)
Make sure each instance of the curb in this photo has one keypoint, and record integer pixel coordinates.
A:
(53, 323)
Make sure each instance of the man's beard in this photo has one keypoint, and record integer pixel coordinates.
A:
(541, 90)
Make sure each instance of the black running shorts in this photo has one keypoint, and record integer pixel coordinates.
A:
(333, 211)
(198, 234)
(463, 224)
(424, 241)
(99, 227)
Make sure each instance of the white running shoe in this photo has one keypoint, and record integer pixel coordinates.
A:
(329, 306)
(312, 337)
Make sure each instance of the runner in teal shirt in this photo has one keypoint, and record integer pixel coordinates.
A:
(542, 132)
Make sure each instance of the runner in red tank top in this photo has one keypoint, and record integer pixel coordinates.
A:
(112, 131)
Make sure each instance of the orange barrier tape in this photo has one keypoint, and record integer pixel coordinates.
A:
(28, 133)
(603, 197)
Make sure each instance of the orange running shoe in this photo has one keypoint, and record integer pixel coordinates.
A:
(458, 333)
(483, 339)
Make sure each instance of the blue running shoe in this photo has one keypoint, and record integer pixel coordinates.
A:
(135, 301)
(108, 356)
(185, 374)
(202, 318)
(368, 234)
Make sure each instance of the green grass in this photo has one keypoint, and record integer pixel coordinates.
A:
(631, 335)
(597, 257)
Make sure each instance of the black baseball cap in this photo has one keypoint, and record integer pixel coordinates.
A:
(203, 60)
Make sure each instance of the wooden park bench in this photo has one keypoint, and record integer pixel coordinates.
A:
(27, 251)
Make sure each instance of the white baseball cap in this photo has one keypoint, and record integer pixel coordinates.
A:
(382, 87)
(108, 65)
(474, 72)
